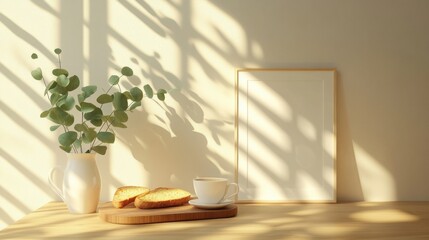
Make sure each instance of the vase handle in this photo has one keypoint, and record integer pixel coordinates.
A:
(52, 184)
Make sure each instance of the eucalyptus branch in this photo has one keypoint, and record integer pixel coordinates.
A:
(101, 128)
(95, 139)
(46, 85)
(94, 130)
(67, 130)
(58, 52)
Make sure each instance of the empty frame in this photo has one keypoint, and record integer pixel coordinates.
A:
(285, 135)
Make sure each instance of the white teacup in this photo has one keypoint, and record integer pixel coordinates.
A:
(213, 190)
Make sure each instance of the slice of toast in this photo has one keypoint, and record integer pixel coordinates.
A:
(162, 197)
(126, 194)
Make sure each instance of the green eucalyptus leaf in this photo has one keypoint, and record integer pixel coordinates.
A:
(67, 103)
(66, 148)
(78, 108)
(128, 95)
(120, 101)
(60, 71)
(85, 138)
(59, 116)
(104, 98)
(106, 137)
(55, 127)
(45, 113)
(96, 122)
(87, 107)
(62, 80)
(89, 135)
(34, 56)
(78, 143)
(161, 96)
(89, 90)
(58, 89)
(113, 80)
(148, 90)
(121, 116)
(88, 138)
(69, 120)
(80, 127)
(136, 93)
(117, 123)
(37, 74)
(106, 118)
(67, 138)
(135, 105)
(51, 85)
(74, 83)
(96, 114)
(127, 71)
(60, 99)
(55, 97)
(99, 149)
(80, 98)
(57, 50)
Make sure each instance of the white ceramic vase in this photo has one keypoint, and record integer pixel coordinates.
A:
(81, 184)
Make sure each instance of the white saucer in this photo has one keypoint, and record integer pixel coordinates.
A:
(198, 204)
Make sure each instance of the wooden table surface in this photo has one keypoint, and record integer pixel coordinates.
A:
(396, 220)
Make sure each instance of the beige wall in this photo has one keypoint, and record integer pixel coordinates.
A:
(380, 49)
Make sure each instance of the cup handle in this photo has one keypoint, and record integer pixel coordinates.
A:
(52, 184)
(232, 194)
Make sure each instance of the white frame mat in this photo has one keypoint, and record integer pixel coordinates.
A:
(285, 135)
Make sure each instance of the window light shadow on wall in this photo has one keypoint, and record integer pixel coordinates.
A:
(188, 47)
(283, 143)
(377, 182)
(200, 57)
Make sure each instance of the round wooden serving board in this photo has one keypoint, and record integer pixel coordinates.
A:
(133, 215)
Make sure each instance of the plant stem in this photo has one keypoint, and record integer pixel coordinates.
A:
(47, 92)
(59, 60)
(67, 130)
(99, 130)
(108, 90)
(104, 123)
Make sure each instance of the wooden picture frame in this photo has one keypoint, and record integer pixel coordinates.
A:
(285, 135)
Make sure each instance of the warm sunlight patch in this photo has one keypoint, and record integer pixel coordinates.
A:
(333, 229)
(377, 182)
(307, 212)
(255, 228)
(384, 216)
